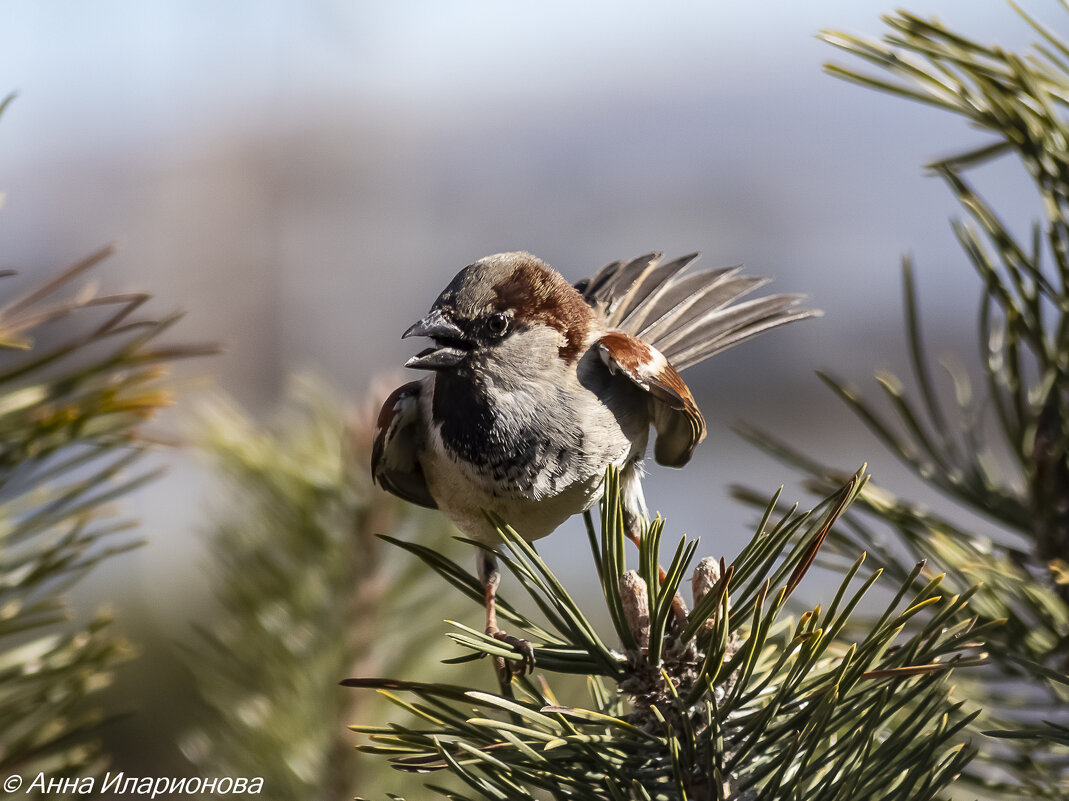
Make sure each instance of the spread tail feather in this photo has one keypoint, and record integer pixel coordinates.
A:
(687, 316)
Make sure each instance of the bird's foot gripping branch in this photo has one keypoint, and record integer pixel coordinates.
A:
(727, 702)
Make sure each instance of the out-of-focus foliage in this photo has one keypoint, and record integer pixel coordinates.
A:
(304, 595)
(1001, 449)
(731, 700)
(80, 373)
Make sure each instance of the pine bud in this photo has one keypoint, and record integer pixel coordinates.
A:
(706, 575)
(636, 605)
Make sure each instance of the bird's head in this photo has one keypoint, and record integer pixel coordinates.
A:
(508, 306)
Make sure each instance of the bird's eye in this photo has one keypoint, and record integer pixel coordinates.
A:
(497, 324)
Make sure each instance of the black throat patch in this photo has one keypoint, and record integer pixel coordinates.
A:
(466, 418)
(530, 460)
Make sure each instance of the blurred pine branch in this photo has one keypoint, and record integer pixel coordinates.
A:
(303, 596)
(80, 373)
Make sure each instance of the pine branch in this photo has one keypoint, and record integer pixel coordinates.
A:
(740, 702)
(303, 595)
(71, 420)
(1021, 100)
(1000, 449)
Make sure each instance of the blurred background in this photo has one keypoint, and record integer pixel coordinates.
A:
(304, 177)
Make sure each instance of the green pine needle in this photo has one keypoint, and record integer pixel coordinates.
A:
(733, 706)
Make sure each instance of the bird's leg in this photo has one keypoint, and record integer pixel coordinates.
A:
(490, 576)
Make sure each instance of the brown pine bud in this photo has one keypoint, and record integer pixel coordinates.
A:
(706, 575)
(636, 604)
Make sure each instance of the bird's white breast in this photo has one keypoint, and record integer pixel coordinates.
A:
(539, 453)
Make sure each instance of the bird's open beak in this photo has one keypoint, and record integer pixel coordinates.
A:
(451, 346)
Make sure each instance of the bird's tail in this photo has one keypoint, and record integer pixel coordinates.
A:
(687, 316)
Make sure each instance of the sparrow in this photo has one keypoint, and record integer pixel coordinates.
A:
(535, 386)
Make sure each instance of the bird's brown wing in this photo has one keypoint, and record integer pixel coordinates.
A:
(395, 454)
(679, 423)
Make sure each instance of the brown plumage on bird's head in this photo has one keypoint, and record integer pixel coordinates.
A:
(496, 296)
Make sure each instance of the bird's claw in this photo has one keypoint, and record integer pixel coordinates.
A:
(524, 648)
